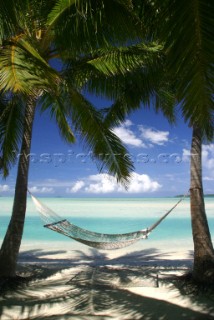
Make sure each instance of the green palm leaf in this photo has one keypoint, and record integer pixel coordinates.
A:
(112, 61)
(57, 108)
(8, 19)
(131, 83)
(58, 10)
(86, 25)
(190, 51)
(23, 69)
(105, 145)
(134, 93)
(11, 126)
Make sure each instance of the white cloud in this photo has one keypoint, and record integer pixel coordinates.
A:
(154, 136)
(77, 186)
(186, 155)
(4, 188)
(208, 179)
(101, 183)
(208, 156)
(128, 123)
(143, 183)
(142, 137)
(41, 190)
(105, 183)
(128, 136)
(52, 183)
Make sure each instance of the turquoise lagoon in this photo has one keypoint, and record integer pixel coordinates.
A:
(111, 215)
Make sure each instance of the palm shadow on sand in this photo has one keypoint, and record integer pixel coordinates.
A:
(147, 257)
(85, 287)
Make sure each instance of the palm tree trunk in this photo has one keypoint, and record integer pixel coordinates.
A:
(12, 241)
(203, 248)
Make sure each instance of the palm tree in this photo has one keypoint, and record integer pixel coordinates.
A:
(30, 41)
(188, 34)
(186, 31)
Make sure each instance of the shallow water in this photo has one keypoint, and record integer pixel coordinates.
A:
(112, 216)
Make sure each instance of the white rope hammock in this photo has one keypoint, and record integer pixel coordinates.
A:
(93, 239)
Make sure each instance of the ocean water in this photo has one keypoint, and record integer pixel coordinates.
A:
(116, 215)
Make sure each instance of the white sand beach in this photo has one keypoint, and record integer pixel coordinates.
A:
(71, 281)
(68, 280)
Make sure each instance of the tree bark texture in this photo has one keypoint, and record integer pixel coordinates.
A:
(203, 249)
(12, 240)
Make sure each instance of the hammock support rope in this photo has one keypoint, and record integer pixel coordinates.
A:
(97, 240)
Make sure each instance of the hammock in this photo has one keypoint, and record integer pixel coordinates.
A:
(93, 239)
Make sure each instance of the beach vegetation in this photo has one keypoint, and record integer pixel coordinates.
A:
(186, 30)
(181, 37)
(33, 34)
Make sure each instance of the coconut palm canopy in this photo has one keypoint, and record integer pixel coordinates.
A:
(32, 34)
(186, 31)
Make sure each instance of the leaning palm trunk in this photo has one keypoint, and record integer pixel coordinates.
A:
(203, 249)
(12, 241)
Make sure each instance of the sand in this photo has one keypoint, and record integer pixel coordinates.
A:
(81, 283)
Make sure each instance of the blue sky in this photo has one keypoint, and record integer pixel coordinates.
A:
(159, 150)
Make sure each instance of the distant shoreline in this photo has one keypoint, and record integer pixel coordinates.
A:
(109, 197)
(205, 196)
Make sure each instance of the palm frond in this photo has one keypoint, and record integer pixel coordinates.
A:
(148, 13)
(86, 25)
(165, 101)
(140, 78)
(58, 10)
(8, 19)
(112, 61)
(188, 34)
(57, 108)
(149, 86)
(105, 145)
(132, 97)
(117, 113)
(23, 69)
(11, 127)
(103, 70)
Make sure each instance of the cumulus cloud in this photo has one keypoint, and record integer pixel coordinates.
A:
(101, 183)
(154, 136)
(77, 186)
(128, 136)
(143, 183)
(41, 190)
(105, 183)
(4, 188)
(142, 136)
